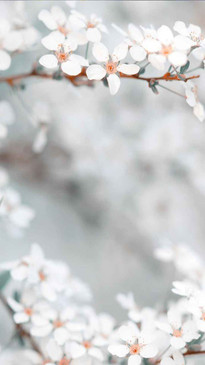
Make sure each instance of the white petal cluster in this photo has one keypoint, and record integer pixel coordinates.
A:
(67, 329)
(16, 35)
(163, 48)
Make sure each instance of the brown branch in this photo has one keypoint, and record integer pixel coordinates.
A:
(82, 79)
(20, 330)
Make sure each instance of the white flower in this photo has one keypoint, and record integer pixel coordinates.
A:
(70, 63)
(92, 26)
(192, 31)
(180, 333)
(28, 310)
(173, 49)
(111, 66)
(12, 209)
(184, 288)
(175, 359)
(138, 345)
(7, 117)
(191, 92)
(56, 20)
(196, 305)
(60, 323)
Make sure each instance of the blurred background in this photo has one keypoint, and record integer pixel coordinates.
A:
(118, 176)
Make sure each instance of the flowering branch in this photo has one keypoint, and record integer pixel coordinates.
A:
(82, 79)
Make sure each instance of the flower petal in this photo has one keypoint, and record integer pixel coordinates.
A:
(120, 52)
(138, 53)
(95, 72)
(134, 360)
(71, 68)
(113, 83)
(49, 61)
(177, 58)
(52, 40)
(100, 52)
(130, 69)
(93, 35)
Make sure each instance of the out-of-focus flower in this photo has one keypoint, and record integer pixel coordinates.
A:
(180, 332)
(10, 41)
(193, 32)
(7, 117)
(191, 92)
(69, 62)
(57, 20)
(111, 65)
(138, 345)
(173, 49)
(12, 209)
(92, 26)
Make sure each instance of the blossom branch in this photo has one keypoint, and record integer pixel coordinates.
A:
(82, 79)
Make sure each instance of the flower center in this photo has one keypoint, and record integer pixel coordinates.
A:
(63, 30)
(87, 344)
(64, 361)
(62, 53)
(135, 349)
(28, 311)
(203, 316)
(57, 324)
(177, 333)
(42, 276)
(166, 50)
(111, 67)
(90, 25)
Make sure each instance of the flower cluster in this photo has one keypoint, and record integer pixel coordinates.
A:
(72, 34)
(159, 48)
(52, 309)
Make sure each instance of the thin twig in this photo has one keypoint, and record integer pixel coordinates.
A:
(82, 79)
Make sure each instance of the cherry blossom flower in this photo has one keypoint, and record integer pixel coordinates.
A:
(173, 49)
(193, 32)
(61, 324)
(12, 209)
(180, 332)
(57, 20)
(111, 66)
(191, 92)
(70, 63)
(10, 41)
(92, 26)
(7, 117)
(138, 345)
(134, 38)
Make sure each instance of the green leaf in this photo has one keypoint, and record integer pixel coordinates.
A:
(4, 279)
(184, 68)
(142, 71)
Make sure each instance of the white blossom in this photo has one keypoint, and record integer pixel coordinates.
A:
(70, 63)
(111, 66)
